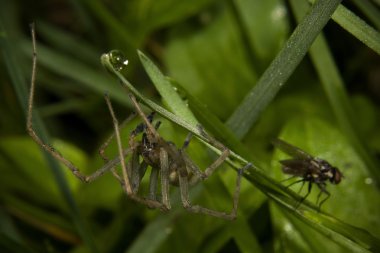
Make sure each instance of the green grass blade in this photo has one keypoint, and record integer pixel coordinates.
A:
(358, 28)
(167, 91)
(281, 67)
(370, 10)
(16, 75)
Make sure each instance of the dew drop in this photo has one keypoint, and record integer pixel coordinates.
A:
(118, 60)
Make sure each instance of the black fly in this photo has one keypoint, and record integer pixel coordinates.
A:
(310, 169)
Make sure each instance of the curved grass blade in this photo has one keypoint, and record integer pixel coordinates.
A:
(281, 67)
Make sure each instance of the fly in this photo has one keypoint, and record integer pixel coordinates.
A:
(309, 169)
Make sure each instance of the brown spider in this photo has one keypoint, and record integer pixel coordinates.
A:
(168, 162)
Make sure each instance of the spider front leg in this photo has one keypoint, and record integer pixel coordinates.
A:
(31, 131)
(184, 188)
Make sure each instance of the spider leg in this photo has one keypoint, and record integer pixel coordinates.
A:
(208, 171)
(148, 124)
(136, 170)
(184, 188)
(153, 179)
(109, 139)
(187, 141)
(120, 147)
(199, 174)
(54, 153)
(164, 160)
(223, 156)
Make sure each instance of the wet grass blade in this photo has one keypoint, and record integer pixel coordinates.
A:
(358, 27)
(281, 67)
(370, 10)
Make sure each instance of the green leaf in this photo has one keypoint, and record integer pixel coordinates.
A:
(357, 27)
(166, 90)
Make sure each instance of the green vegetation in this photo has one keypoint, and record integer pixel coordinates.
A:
(247, 70)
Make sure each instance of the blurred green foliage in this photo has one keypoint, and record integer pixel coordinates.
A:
(215, 51)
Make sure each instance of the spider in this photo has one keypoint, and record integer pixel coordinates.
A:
(171, 164)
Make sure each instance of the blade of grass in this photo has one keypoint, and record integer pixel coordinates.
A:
(357, 27)
(210, 121)
(281, 67)
(164, 87)
(370, 10)
(14, 71)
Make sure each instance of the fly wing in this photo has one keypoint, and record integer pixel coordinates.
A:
(291, 150)
(295, 167)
